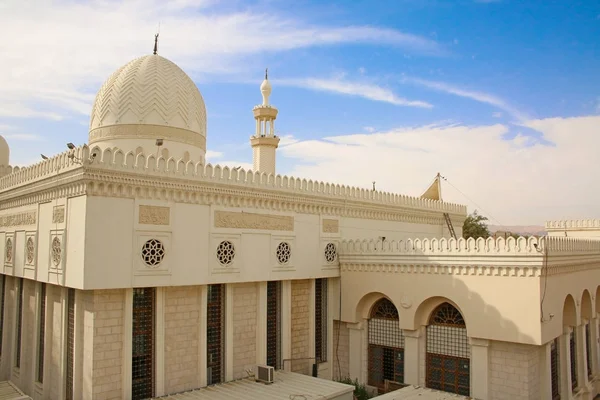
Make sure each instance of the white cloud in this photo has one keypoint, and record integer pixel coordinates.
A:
(360, 89)
(211, 155)
(497, 114)
(28, 137)
(286, 140)
(518, 181)
(470, 94)
(369, 129)
(61, 51)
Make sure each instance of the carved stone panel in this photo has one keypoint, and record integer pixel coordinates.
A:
(331, 225)
(154, 215)
(244, 220)
(58, 215)
(18, 219)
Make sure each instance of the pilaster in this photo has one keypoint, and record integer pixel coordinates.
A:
(565, 364)
(594, 346)
(261, 324)
(480, 368)
(228, 332)
(286, 323)
(202, 358)
(581, 347)
(546, 371)
(412, 356)
(357, 351)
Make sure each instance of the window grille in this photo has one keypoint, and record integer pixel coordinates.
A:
(588, 350)
(448, 351)
(41, 334)
(2, 311)
(321, 320)
(70, 343)
(215, 334)
(386, 346)
(274, 324)
(143, 343)
(555, 369)
(573, 348)
(19, 323)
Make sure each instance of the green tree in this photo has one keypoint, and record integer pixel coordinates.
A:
(475, 226)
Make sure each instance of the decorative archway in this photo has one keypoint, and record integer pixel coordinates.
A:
(448, 353)
(386, 347)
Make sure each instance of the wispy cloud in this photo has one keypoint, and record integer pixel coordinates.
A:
(470, 94)
(28, 137)
(360, 89)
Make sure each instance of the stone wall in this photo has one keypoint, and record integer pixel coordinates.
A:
(244, 328)
(341, 350)
(514, 371)
(300, 326)
(182, 324)
(107, 374)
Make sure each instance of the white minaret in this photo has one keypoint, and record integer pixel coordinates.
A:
(264, 142)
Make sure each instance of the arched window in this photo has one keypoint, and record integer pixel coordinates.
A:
(448, 351)
(386, 347)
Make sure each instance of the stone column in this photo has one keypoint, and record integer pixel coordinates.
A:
(412, 356)
(582, 376)
(355, 355)
(565, 364)
(594, 346)
(286, 323)
(480, 368)
(261, 324)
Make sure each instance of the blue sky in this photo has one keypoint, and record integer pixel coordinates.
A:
(502, 97)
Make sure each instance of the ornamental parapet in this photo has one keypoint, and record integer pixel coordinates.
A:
(573, 224)
(153, 167)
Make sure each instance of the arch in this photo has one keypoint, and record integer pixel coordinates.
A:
(366, 303)
(569, 317)
(385, 347)
(427, 307)
(448, 353)
(586, 305)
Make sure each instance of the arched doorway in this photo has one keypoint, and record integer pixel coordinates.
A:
(448, 351)
(386, 347)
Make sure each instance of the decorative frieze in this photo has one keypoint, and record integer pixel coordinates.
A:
(58, 215)
(154, 215)
(331, 226)
(18, 219)
(244, 220)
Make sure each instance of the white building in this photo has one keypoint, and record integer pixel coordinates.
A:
(132, 270)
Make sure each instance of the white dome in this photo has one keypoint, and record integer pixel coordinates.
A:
(149, 98)
(4, 152)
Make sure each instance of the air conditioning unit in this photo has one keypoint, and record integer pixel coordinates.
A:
(264, 373)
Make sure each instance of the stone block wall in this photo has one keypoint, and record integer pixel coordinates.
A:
(245, 300)
(514, 371)
(182, 335)
(341, 350)
(300, 326)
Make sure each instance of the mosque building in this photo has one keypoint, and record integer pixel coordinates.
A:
(133, 269)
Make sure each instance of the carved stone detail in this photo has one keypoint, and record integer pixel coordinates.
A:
(147, 132)
(154, 215)
(58, 215)
(331, 226)
(244, 220)
(19, 219)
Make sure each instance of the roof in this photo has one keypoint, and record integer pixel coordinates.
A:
(9, 391)
(285, 386)
(420, 393)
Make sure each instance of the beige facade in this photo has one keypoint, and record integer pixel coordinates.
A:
(580, 228)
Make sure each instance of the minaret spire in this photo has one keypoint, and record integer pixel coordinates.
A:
(264, 141)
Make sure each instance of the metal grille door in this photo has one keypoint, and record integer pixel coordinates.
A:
(19, 323)
(448, 351)
(386, 346)
(588, 349)
(215, 333)
(321, 320)
(573, 348)
(274, 324)
(41, 334)
(142, 343)
(70, 342)
(555, 369)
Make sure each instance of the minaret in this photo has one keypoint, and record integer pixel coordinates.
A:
(264, 142)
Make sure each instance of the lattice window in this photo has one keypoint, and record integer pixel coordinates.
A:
(330, 253)
(19, 323)
(284, 253)
(555, 369)
(573, 349)
(153, 252)
(2, 311)
(448, 351)
(143, 343)
(70, 344)
(588, 349)
(274, 324)
(386, 345)
(215, 334)
(41, 334)
(321, 320)
(225, 253)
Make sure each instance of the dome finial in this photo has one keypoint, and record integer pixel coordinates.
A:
(266, 73)
(156, 43)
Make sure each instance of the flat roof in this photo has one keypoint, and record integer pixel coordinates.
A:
(420, 393)
(285, 386)
(8, 391)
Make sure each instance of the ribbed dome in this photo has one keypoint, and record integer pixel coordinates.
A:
(4, 152)
(150, 97)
